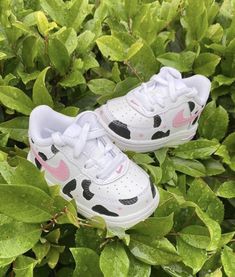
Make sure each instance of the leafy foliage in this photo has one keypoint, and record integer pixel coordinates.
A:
(77, 54)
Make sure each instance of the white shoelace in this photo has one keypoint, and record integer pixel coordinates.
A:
(78, 141)
(149, 100)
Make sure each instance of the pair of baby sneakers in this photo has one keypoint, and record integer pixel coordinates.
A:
(79, 153)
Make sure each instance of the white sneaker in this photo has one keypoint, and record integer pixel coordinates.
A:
(162, 112)
(76, 153)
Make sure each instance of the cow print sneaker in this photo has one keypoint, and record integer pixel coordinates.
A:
(77, 154)
(162, 112)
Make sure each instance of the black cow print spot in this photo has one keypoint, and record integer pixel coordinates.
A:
(70, 186)
(153, 189)
(129, 201)
(87, 194)
(157, 121)
(39, 166)
(191, 106)
(195, 120)
(102, 210)
(120, 128)
(160, 134)
(54, 150)
(43, 156)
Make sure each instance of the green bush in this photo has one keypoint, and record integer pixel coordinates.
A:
(75, 55)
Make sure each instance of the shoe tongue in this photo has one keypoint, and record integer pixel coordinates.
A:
(75, 128)
(89, 118)
(164, 90)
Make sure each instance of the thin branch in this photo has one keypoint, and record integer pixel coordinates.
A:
(133, 70)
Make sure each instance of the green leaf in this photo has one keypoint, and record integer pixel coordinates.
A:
(70, 111)
(41, 96)
(23, 266)
(168, 170)
(17, 128)
(26, 203)
(88, 238)
(69, 39)
(77, 12)
(227, 190)
(178, 270)
(155, 227)
(191, 256)
(59, 55)
(89, 62)
(125, 86)
(16, 99)
(215, 32)
(42, 23)
(135, 47)
(138, 268)
(181, 61)
(196, 149)
(24, 173)
(85, 41)
(4, 139)
(210, 115)
(224, 154)
(155, 172)
(229, 142)
(5, 262)
(143, 64)
(73, 79)
(196, 236)
(211, 265)
(112, 48)
(201, 194)
(213, 167)
(140, 158)
(118, 232)
(41, 250)
(53, 256)
(16, 237)
(131, 7)
(206, 63)
(53, 236)
(87, 262)
(153, 252)
(30, 51)
(226, 238)
(228, 261)
(223, 80)
(101, 86)
(195, 20)
(189, 167)
(161, 155)
(167, 205)
(2, 56)
(56, 10)
(212, 226)
(27, 77)
(120, 261)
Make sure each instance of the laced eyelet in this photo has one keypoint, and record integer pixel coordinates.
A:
(85, 166)
(97, 177)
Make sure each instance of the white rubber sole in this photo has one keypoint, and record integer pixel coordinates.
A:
(120, 221)
(149, 145)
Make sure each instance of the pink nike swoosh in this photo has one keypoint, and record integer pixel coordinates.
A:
(61, 172)
(180, 120)
(119, 170)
